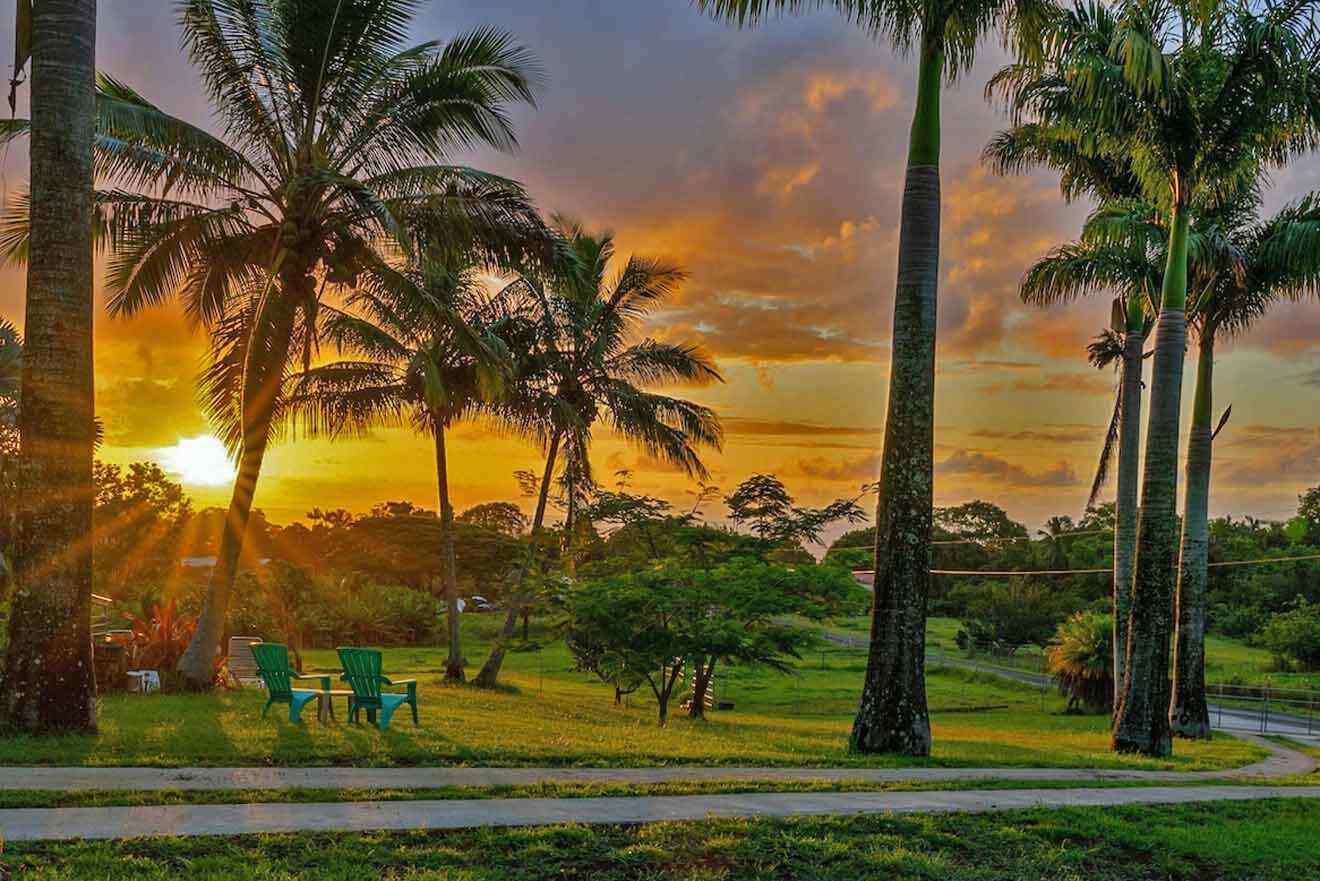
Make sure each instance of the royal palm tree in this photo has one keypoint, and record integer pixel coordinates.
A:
(1246, 267)
(431, 349)
(1195, 99)
(592, 369)
(943, 34)
(335, 132)
(1237, 267)
(47, 682)
(1096, 264)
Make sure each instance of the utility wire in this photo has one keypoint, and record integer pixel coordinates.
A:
(1013, 538)
(967, 573)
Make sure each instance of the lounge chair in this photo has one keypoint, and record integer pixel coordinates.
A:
(275, 670)
(362, 671)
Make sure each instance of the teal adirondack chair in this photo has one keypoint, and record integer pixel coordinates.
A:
(362, 671)
(275, 670)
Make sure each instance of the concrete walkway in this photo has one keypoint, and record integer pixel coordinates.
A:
(224, 820)
(1281, 762)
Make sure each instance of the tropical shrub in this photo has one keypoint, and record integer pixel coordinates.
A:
(1293, 637)
(160, 637)
(1081, 660)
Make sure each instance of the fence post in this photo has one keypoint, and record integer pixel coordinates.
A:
(1265, 710)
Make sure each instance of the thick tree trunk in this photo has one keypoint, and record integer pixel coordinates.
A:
(1125, 508)
(490, 671)
(48, 682)
(892, 716)
(454, 664)
(1142, 718)
(1189, 714)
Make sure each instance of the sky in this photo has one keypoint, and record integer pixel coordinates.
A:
(768, 163)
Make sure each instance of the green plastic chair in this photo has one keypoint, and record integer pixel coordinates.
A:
(362, 671)
(275, 670)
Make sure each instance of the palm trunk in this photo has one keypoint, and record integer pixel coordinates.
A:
(490, 671)
(267, 353)
(454, 664)
(892, 716)
(197, 664)
(1126, 515)
(48, 682)
(1142, 718)
(1189, 714)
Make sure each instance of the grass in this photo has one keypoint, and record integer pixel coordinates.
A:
(551, 716)
(1266, 841)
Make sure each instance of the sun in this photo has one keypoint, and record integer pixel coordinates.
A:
(198, 461)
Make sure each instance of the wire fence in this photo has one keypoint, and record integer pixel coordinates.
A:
(1264, 709)
(1261, 709)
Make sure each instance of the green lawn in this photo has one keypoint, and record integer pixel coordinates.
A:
(552, 716)
(1266, 841)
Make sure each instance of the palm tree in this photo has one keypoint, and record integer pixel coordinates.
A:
(1094, 264)
(1236, 268)
(592, 369)
(1079, 658)
(1196, 100)
(1245, 267)
(335, 132)
(944, 34)
(47, 683)
(1056, 530)
(432, 350)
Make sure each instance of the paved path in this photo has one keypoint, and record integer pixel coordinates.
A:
(1281, 762)
(200, 820)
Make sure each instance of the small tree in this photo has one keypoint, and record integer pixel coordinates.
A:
(763, 504)
(651, 626)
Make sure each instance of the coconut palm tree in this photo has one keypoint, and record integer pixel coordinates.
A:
(592, 369)
(431, 349)
(943, 34)
(1195, 99)
(47, 683)
(335, 132)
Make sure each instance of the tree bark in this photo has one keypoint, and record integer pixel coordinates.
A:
(700, 686)
(1125, 507)
(48, 682)
(1142, 718)
(490, 671)
(892, 716)
(454, 664)
(268, 350)
(1189, 713)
